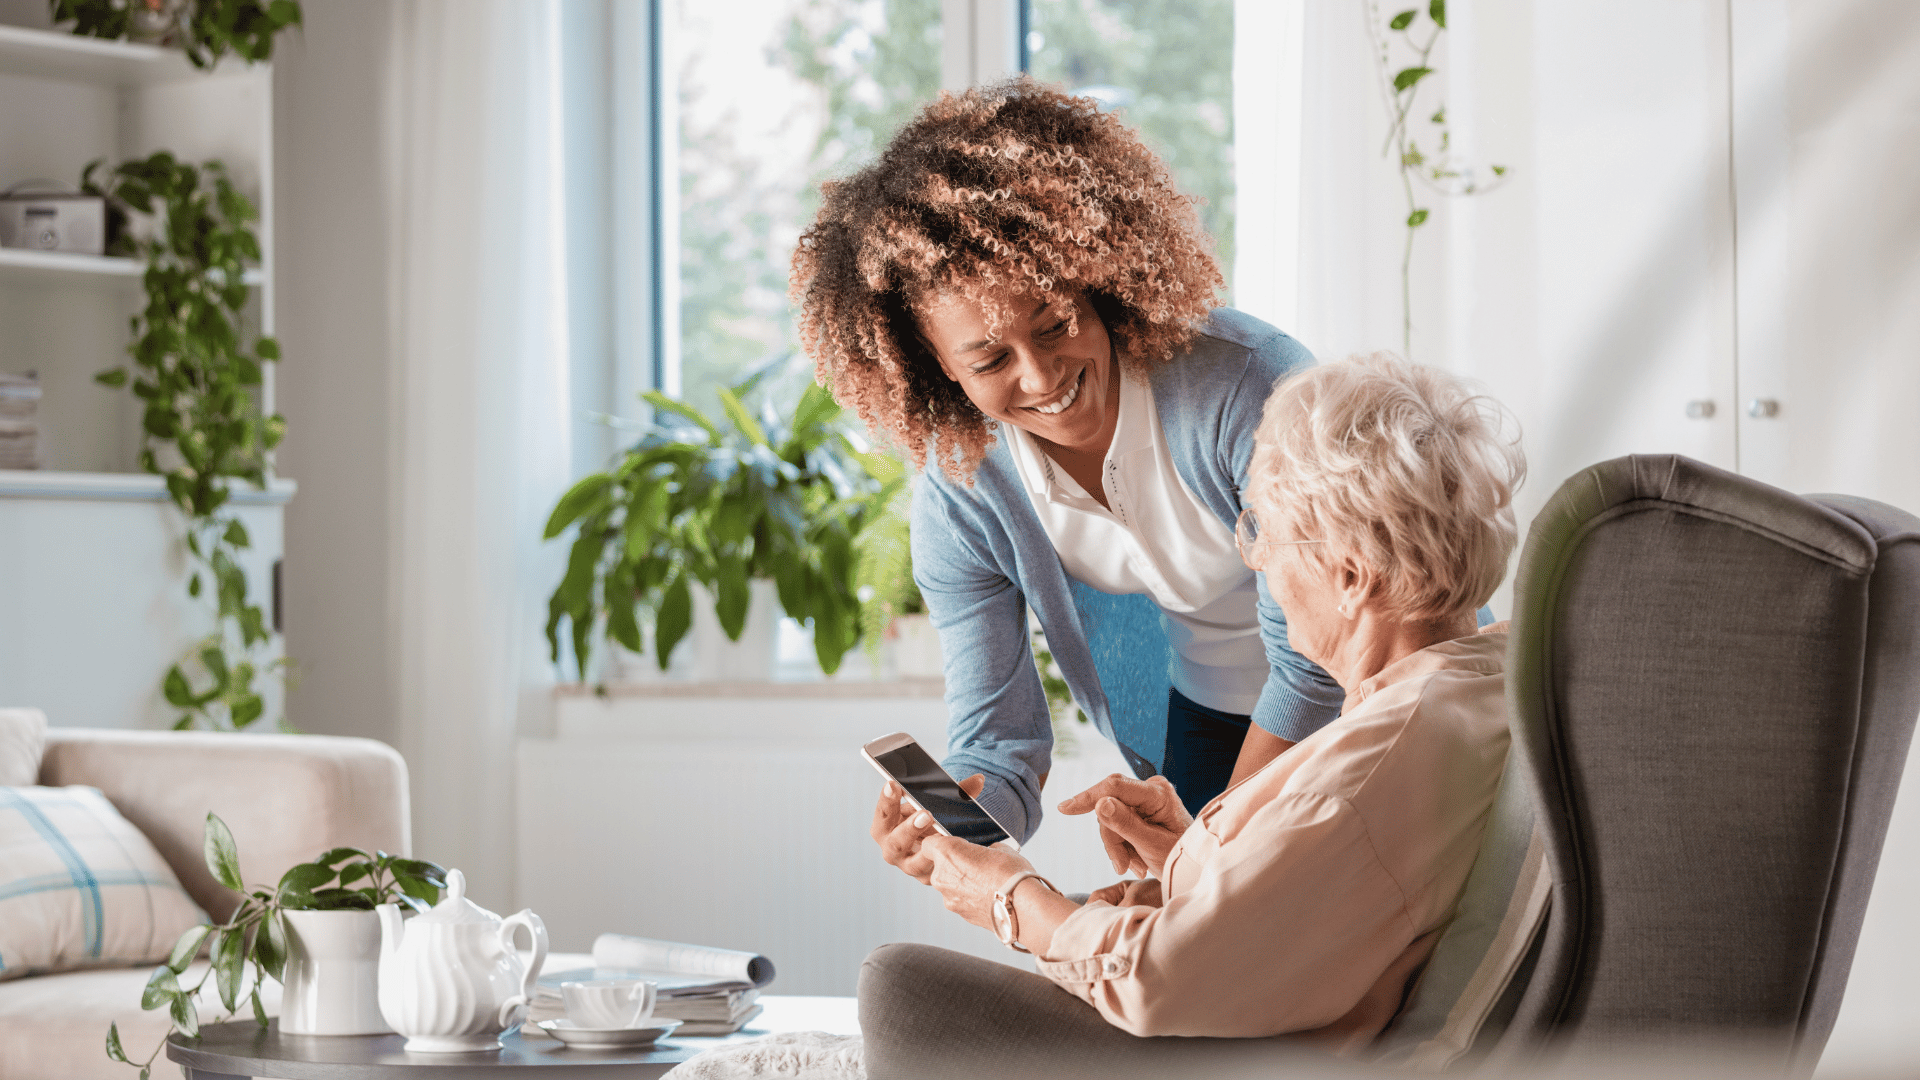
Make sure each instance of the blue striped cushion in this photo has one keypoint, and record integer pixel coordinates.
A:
(81, 887)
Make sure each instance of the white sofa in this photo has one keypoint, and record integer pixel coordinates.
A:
(287, 798)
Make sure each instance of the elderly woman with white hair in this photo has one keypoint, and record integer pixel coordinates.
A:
(1306, 896)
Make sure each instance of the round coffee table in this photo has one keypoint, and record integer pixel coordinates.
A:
(240, 1048)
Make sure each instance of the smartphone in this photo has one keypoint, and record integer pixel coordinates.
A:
(902, 760)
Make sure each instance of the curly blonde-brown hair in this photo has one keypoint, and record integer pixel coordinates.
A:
(1015, 189)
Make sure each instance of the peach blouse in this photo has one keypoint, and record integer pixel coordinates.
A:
(1305, 897)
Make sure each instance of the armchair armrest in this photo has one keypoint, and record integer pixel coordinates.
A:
(287, 798)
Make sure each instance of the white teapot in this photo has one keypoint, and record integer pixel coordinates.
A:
(450, 979)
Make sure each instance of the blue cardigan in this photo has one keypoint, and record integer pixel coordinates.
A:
(982, 558)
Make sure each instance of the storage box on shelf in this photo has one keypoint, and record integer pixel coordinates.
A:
(89, 548)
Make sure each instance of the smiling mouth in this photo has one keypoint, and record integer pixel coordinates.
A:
(1066, 402)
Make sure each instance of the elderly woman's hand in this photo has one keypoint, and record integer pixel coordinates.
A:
(1143, 892)
(966, 875)
(1140, 821)
(899, 829)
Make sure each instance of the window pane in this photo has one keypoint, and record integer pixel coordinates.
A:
(775, 96)
(1167, 67)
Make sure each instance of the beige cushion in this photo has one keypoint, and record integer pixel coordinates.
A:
(80, 887)
(23, 736)
(56, 1025)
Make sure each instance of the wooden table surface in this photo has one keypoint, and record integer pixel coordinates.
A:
(241, 1049)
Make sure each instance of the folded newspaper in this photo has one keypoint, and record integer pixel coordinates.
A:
(713, 990)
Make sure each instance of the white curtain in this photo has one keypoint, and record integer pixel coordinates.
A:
(479, 340)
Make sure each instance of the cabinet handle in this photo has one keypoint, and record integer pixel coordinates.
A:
(1700, 410)
(1763, 408)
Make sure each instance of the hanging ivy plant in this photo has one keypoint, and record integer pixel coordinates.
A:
(1426, 155)
(197, 375)
(205, 30)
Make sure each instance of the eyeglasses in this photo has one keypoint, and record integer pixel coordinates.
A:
(1246, 534)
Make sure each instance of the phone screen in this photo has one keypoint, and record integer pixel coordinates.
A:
(940, 795)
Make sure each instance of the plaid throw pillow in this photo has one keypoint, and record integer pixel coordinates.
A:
(81, 887)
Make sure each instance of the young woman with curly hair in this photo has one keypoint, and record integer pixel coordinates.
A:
(1016, 292)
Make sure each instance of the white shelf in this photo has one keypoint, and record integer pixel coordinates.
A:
(53, 54)
(122, 487)
(25, 266)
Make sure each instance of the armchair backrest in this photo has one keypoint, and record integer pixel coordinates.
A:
(287, 798)
(1714, 684)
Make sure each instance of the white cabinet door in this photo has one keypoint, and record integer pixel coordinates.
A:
(1633, 233)
(1826, 139)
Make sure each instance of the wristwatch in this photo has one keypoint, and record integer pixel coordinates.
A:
(1006, 922)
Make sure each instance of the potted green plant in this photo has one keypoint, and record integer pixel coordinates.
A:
(893, 619)
(205, 29)
(778, 497)
(333, 896)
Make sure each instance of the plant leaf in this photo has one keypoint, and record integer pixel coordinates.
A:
(731, 595)
(229, 954)
(259, 1010)
(223, 858)
(187, 947)
(114, 1050)
(270, 946)
(687, 412)
(1417, 219)
(298, 883)
(174, 686)
(1438, 9)
(185, 1016)
(576, 503)
(671, 620)
(339, 855)
(1406, 77)
(1403, 20)
(161, 985)
(112, 377)
(743, 421)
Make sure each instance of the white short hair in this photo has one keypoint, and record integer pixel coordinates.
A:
(1405, 468)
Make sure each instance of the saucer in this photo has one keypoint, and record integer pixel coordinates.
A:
(566, 1032)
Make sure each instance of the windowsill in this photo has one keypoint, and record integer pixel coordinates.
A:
(823, 689)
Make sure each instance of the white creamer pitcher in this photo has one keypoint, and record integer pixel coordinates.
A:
(450, 979)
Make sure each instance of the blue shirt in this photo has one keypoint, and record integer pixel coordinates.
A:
(981, 559)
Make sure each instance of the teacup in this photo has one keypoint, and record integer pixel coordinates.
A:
(608, 1003)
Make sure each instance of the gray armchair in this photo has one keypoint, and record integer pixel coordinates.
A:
(1713, 685)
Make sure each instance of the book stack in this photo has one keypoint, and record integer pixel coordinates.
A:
(712, 991)
(19, 427)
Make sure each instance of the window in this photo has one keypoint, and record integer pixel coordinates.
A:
(1167, 65)
(775, 96)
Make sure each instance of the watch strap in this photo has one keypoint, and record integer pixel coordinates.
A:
(1008, 927)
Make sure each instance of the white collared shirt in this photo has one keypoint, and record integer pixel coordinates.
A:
(1159, 540)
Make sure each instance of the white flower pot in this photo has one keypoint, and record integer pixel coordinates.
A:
(915, 645)
(333, 974)
(750, 659)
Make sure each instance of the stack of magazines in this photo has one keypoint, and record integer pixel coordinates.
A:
(712, 991)
(19, 427)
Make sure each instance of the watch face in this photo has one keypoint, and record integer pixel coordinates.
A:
(1002, 920)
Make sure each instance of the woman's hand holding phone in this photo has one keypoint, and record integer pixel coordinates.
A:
(899, 828)
(1140, 821)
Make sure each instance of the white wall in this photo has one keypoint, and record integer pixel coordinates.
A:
(337, 382)
(741, 821)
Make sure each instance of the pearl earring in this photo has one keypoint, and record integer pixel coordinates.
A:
(1343, 609)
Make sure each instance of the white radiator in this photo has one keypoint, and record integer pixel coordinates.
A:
(742, 822)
